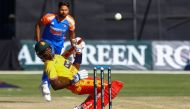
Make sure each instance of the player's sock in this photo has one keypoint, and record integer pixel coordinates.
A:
(45, 79)
(44, 87)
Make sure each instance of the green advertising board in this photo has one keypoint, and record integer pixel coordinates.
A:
(119, 54)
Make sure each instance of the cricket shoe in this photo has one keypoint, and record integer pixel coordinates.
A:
(44, 88)
(78, 107)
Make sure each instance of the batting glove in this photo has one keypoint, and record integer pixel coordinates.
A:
(78, 47)
(80, 75)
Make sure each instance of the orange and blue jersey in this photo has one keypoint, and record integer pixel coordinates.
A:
(54, 33)
(55, 30)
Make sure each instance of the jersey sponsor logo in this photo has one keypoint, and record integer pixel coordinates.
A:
(57, 31)
(67, 64)
(79, 89)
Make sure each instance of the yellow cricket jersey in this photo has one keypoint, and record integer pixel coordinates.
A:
(60, 68)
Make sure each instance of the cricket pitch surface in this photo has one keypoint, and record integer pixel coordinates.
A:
(175, 102)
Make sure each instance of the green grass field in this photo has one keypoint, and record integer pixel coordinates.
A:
(135, 85)
(141, 91)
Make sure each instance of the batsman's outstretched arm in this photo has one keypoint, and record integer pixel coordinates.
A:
(79, 46)
(38, 31)
(78, 60)
(56, 84)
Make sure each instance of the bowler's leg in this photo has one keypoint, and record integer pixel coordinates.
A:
(45, 87)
